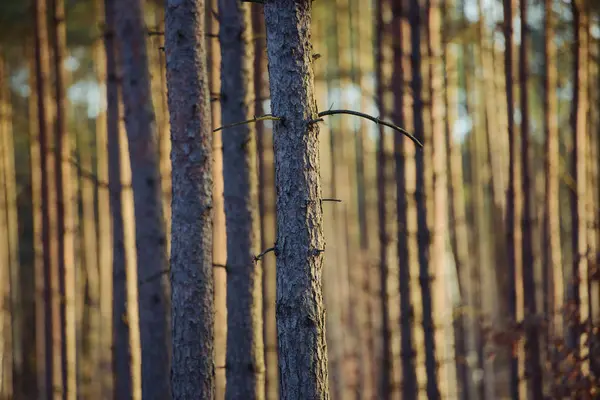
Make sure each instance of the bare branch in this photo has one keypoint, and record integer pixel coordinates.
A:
(374, 119)
(332, 200)
(258, 257)
(267, 117)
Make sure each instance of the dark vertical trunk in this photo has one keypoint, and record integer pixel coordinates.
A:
(64, 205)
(193, 371)
(150, 230)
(245, 354)
(52, 338)
(120, 335)
(423, 234)
(532, 347)
(300, 243)
(407, 351)
(386, 367)
(511, 199)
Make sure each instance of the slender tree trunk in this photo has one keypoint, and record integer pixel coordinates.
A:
(532, 349)
(407, 351)
(423, 235)
(123, 385)
(102, 386)
(193, 368)
(52, 341)
(386, 367)
(150, 230)
(512, 201)
(245, 354)
(266, 202)
(300, 244)
(578, 283)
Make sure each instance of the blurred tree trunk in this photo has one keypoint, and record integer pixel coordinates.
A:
(191, 254)
(532, 347)
(52, 342)
(219, 229)
(384, 240)
(150, 230)
(407, 351)
(578, 283)
(123, 383)
(552, 257)
(300, 244)
(423, 235)
(36, 208)
(513, 197)
(266, 206)
(245, 352)
(102, 384)
(8, 313)
(463, 330)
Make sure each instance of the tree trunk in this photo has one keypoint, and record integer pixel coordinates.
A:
(102, 386)
(300, 244)
(578, 284)
(532, 349)
(423, 235)
(193, 368)
(407, 351)
(150, 229)
(52, 342)
(245, 358)
(266, 207)
(512, 196)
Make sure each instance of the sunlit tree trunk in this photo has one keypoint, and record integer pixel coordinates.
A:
(266, 207)
(577, 289)
(193, 371)
(52, 337)
(423, 234)
(300, 243)
(102, 385)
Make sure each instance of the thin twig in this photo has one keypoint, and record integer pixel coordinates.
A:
(374, 119)
(254, 1)
(258, 257)
(332, 200)
(267, 117)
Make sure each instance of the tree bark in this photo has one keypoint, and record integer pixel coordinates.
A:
(512, 196)
(150, 230)
(300, 244)
(423, 235)
(193, 370)
(245, 354)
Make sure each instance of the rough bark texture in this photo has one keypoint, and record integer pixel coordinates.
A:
(193, 370)
(423, 235)
(120, 356)
(512, 198)
(150, 230)
(300, 244)
(245, 356)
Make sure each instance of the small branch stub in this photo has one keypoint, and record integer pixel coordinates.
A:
(258, 257)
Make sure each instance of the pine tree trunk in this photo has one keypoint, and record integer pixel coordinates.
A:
(266, 207)
(300, 244)
(245, 357)
(578, 285)
(123, 385)
(150, 230)
(193, 368)
(532, 349)
(52, 338)
(423, 235)
(102, 386)
(512, 196)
